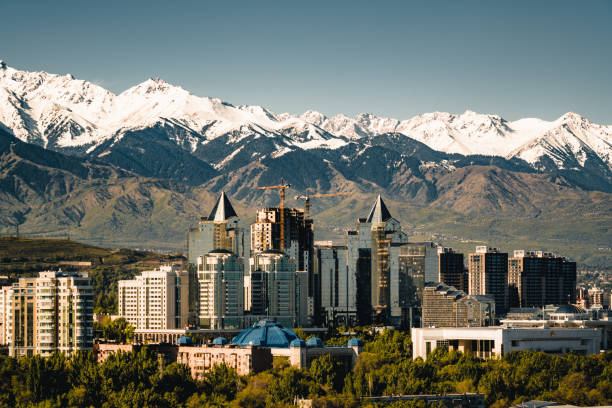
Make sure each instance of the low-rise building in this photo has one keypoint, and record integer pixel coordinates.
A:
(251, 351)
(245, 360)
(488, 342)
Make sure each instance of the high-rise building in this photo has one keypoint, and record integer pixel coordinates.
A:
(222, 229)
(489, 276)
(418, 263)
(446, 306)
(397, 268)
(275, 290)
(51, 313)
(221, 279)
(298, 243)
(537, 278)
(451, 269)
(338, 287)
(359, 262)
(6, 298)
(388, 288)
(156, 299)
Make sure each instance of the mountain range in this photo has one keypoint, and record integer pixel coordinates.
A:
(139, 167)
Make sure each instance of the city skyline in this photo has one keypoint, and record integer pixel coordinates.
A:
(398, 60)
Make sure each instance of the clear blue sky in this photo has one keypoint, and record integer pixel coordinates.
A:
(397, 59)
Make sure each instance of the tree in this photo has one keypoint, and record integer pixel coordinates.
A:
(117, 330)
(326, 370)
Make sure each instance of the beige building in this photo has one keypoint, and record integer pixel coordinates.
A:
(245, 360)
(221, 282)
(445, 306)
(51, 313)
(156, 299)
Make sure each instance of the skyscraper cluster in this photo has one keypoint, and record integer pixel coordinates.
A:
(273, 268)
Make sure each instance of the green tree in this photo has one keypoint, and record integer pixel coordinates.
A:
(328, 371)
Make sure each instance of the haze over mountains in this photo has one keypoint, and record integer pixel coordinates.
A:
(86, 161)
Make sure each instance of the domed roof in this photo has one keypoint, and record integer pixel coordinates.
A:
(297, 343)
(265, 333)
(314, 342)
(220, 341)
(355, 342)
(184, 341)
(569, 309)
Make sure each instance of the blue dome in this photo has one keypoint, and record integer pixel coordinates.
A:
(265, 333)
(220, 341)
(314, 342)
(297, 343)
(355, 342)
(184, 341)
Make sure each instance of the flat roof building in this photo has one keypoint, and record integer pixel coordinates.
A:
(221, 281)
(445, 306)
(47, 314)
(156, 299)
(488, 342)
(488, 275)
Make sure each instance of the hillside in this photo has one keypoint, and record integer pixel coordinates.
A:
(21, 257)
(139, 168)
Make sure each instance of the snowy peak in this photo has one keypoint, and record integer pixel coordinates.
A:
(61, 112)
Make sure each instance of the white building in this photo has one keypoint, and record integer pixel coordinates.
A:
(6, 296)
(338, 287)
(275, 290)
(156, 299)
(487, 342)
(221, 282)
(47, 314)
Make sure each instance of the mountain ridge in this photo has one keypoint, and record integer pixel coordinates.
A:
(162, 154)
(83, 115)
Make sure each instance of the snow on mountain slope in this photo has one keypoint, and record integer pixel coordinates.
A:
(568, 141)
(60, 112)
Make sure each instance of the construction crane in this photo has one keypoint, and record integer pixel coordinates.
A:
(307, 200)
(281, 187)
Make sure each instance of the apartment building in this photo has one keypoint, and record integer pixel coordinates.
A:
(156, 299)
(488, 275)
(537, 278)
(221, 281)
(47, 314)
(446, 306)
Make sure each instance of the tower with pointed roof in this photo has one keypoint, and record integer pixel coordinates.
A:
(378, 255)
(222, 229)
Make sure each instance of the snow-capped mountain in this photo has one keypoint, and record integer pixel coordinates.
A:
(75, 116)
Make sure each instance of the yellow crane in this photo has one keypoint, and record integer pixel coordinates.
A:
(307, 198)
(281, 187)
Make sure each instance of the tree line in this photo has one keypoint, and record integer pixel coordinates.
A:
(385, 367)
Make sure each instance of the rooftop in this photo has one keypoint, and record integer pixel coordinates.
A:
(265, 333)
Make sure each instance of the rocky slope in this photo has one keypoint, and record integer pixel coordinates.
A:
(139, 167)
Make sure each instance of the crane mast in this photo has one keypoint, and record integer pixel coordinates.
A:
(307, 198)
